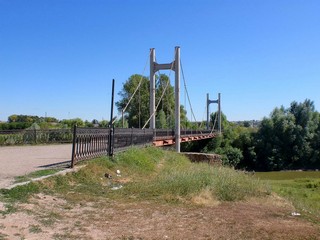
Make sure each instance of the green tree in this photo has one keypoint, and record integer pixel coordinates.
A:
(23, 118)
(288, 139)
(137, 113)
(214, 121)
(161, 121)
(67, 123)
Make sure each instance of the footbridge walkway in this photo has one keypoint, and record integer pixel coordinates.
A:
(94, 142)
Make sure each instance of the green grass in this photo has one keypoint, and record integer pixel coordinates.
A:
(301, 188)
(36, 174)
(287, 175)
(147, 174)
(181, 179)
(19, 193)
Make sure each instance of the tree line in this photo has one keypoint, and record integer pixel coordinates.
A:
(21, 121)
(288, 139)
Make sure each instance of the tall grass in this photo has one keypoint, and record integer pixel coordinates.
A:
(150, 174)
(139, 160)
(180, 179)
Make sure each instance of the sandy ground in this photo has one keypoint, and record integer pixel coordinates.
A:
(50, 217)
(21, 160)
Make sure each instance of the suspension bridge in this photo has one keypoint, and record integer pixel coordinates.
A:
(90, 143)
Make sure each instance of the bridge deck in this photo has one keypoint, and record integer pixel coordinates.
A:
(170, 140)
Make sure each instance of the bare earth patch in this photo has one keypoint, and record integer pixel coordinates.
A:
(47, 217)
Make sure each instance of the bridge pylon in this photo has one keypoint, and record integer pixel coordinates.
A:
(218, 101)
(174, 66)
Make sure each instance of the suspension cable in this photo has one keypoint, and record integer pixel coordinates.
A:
(125, 108)
(185, 86)
(203, 116)
(214, 123)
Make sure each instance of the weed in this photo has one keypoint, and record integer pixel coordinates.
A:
(20, 193)
(9, 208)
(49, 219)
(3, 236)
(58, 236)
(35, 229)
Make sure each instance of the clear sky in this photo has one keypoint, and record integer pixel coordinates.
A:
(58, 57)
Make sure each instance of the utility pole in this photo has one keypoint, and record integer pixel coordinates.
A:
(154, 67)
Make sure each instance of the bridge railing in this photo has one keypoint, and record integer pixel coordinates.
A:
(164, 133)
(125, 137)
(90, 143)
(35, 136)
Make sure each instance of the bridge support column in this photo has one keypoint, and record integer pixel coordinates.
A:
(152, 89)
(177, 97)
(175, 66)
(218, 101)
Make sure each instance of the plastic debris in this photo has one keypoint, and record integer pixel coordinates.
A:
(295, 214)
(118, 173)
(116, 187)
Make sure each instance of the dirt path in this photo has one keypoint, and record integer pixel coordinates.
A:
(50, 217)
(21, 160)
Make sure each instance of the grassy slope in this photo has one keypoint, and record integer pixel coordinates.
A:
(146, 174)
(301, 188)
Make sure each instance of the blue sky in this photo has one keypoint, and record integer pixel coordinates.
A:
(58, 57)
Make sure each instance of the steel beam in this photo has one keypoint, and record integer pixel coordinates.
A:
(152, 89)
(177, 97)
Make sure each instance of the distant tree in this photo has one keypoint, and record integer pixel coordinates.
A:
(246, 124)
(161, 122)
(95, 122)
(214, 121)
(72, 122)
(287, 140)
(51, 120)
(88, 124)
(13, 118)
(23, 118)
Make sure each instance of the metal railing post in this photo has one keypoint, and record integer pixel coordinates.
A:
(73, 146)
